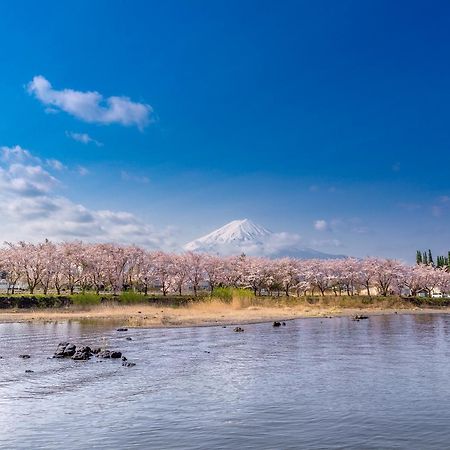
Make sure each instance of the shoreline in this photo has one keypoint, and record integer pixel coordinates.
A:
(144, 316)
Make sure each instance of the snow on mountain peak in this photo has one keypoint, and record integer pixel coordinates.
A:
(234, 232)
(245, 236)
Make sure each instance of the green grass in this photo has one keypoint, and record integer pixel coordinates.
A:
(131, 297)
(86, 299)
(226, 294)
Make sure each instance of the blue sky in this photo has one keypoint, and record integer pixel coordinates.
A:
(327, 120)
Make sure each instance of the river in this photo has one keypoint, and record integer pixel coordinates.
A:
(381, 383)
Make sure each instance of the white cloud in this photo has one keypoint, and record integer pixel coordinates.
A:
(33, 209)
(84, 138)
(91, 106)
(126, 176)
(82, 171)
(321, 225)
(55, 164)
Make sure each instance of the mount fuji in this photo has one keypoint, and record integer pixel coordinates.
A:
(244, 236)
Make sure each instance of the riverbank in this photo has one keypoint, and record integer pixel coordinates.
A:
(212, 313)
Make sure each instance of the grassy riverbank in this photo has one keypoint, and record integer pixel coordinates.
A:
(135, 310)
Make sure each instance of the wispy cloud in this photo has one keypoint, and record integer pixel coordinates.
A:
(91, 106)
(34, 209)
(82, 171)
(321, 225)
(126, 176)
(55, 164)
(84, 138)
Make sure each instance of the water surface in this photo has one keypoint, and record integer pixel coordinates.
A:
(382, 383)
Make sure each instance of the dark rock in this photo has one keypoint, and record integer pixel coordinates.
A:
(82, 354)
(238, 330)
(359, 317)
(29, 371)
(123, 358)
(25, 356)
(59, 353)
(104, 354)
(64, 350)
(277, 324)
(97, 350)
(129, 339)
(284, 324)
(115, 354)
(122, 329)
(70, 350)
(128, 364)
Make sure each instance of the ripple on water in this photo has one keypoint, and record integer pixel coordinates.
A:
(380, 383)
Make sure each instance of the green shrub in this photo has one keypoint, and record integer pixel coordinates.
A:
(130, 297)
(227, 294)
(86, 299)
(223, 293)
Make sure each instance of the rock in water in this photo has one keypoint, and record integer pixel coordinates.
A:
(25, 356)
(64, 350)
(277, 324)
(70, 350)
(115, 354)
(128, 364)
(122, 329)
(238, 330)
(104, 354)
(359, 317)
(59, 353)
(82, 354)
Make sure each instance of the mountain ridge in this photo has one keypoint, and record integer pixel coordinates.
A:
(245, 236)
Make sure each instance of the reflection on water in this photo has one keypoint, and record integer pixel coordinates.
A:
(331, 383)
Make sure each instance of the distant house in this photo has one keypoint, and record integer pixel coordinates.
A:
(422, 293)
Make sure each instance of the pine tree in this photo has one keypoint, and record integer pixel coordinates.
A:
(430, 258)
(418, 257)
(425, 258)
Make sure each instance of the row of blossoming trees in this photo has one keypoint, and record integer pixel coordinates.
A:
(75, 266)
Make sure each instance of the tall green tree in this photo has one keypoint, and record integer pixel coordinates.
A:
(418, 257)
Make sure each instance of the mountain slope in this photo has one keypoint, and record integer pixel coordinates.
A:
(244, 236)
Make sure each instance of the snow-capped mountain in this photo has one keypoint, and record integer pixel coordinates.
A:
(244, 236)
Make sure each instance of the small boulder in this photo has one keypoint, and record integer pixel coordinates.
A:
(104, 354)
(128, 364)
(238, 330)
(82, 354)
(64, 350)
(283, 323)
(277, 324)
(25, 356)
(128, 338)
(29, 371)
(122, 329)
(115, 354)
(359, 317)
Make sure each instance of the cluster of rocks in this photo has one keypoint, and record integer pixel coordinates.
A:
(359, 317)
(278, 324)
(83, 353)
(238, 330)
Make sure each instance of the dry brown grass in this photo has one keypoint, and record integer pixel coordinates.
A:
(215, 312)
